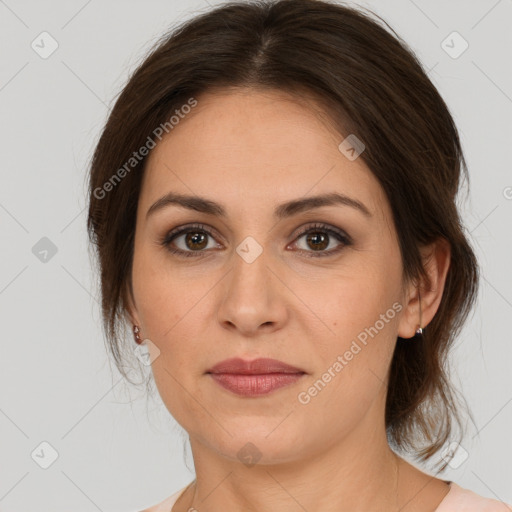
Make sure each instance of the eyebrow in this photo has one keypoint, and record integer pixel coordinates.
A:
(284, 210)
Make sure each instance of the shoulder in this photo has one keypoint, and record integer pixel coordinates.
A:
(459, 499)
(166, 505)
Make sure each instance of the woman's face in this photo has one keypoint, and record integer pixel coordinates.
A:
(250, 284)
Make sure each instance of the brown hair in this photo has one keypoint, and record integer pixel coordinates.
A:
(370, 84)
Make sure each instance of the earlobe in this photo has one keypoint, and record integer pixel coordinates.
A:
(424, 297)
(133, 321)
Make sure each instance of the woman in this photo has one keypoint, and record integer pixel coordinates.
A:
(273, 205)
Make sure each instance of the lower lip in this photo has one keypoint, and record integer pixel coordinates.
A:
(255, 385)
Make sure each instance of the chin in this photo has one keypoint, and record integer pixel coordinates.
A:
(258, 443)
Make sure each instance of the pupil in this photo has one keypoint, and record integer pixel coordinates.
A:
(194, 238)
(313, 237)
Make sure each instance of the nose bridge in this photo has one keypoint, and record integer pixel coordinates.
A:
(249, 298)
(250, 272)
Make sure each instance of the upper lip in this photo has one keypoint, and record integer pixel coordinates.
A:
(255, 367)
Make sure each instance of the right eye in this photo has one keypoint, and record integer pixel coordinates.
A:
(195, 240)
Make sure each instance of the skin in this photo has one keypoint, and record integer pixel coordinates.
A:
(251, 150)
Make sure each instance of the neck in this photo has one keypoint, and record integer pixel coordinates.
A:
(358, 474)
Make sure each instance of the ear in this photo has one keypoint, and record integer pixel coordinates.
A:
(436, 261)
(130, 313)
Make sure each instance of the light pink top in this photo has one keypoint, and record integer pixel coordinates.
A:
(457, 500)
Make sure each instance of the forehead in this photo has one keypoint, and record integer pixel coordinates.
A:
(264, 147)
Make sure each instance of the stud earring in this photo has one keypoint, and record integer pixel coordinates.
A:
(136, 332)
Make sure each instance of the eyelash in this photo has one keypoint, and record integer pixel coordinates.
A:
(200, 228)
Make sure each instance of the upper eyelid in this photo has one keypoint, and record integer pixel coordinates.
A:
(182, 230)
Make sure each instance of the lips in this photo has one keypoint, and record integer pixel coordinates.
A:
(254, 378)
(262, 366)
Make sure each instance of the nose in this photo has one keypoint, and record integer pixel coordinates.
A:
(253, 297)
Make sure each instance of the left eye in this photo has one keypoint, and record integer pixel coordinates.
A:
(318, 237)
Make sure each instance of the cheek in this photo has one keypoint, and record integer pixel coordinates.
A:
(171, 313)
(173, 310)
(361, 310)
(166, 295)
(351, 369)
(351, 301)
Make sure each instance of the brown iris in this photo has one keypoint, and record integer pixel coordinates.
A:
(198, 239)
(315, 237)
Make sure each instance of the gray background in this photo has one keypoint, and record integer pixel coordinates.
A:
(118, 451)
